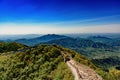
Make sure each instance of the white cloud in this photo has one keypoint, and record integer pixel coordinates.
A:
(50, 29)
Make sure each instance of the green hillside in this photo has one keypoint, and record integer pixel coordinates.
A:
(45, 62)
(107, 63)
(10, 46)
(41, 63)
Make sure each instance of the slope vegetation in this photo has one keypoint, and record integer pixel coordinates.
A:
(41, 63)
(10, 46)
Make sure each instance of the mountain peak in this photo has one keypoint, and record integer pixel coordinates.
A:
(37, 40)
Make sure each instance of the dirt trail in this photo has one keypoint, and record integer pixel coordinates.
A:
(82, 72)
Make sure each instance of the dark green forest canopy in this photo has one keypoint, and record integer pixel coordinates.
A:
(10, 46)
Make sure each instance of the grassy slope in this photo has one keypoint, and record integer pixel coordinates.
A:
(45, 63)
(41, 62)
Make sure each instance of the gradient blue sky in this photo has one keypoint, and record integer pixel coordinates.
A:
(59, 16)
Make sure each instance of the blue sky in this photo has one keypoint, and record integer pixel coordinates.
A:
(54, 16)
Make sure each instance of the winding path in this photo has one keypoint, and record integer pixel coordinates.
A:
(82, 72)
(74, 71)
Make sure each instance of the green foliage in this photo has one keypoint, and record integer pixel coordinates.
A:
(62, 72)
(46, 62)
(108, 66)
(107, 63)
(113, 74)
(77, 57)
(10, 46)
(39, 63)
(42, 62)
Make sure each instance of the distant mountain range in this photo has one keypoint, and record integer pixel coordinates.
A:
(92, 41)
(78, 43)
(109, 41)
(15, 37)
(90, 47)
(35, 41)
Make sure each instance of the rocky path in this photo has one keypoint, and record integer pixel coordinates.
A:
(82, 72)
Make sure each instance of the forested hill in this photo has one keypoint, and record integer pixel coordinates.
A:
(42, 63)
(10, 46)
(46, 62)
